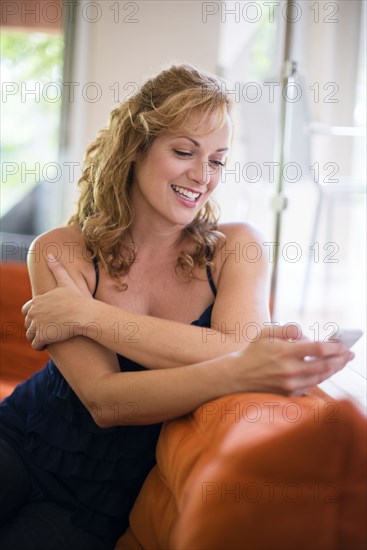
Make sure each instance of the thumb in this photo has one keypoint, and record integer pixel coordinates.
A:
(60, 272)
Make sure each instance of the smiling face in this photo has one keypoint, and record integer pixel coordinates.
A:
(179, 173)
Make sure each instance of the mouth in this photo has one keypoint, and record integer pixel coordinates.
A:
(187, 194)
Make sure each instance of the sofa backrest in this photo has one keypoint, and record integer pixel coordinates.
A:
(18, 360)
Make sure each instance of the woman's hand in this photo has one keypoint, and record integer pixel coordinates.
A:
(278, 364)
(55, 316)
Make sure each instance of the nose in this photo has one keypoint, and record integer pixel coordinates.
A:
(200, 172)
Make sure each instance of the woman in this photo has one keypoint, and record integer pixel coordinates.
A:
(145, 245)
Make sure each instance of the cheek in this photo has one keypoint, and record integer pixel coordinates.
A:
(163, 167)
(172, 167)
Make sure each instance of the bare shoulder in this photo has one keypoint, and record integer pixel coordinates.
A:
(242, 241)
(68, 246)
(65, 243)
(241, 232)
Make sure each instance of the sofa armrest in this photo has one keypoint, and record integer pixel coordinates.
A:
(256, 471)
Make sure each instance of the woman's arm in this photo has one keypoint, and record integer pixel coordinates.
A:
(124, 398)
(239, 313)
(147, 397)
(114, 397)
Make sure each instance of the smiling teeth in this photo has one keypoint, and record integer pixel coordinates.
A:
(185, 193)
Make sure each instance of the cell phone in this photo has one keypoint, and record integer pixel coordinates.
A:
(348, 337)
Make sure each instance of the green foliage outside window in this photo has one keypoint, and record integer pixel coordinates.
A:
(31, 64)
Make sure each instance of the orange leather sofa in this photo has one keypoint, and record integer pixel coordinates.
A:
(246, 471)
(18, 360)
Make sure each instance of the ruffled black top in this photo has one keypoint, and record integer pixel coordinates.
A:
(97, 472)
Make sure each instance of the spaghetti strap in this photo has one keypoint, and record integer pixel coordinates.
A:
(210, 279)
(209, 271)
(96, 269)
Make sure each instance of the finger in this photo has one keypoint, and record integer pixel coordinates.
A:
(37, 346)
(58, 271)
(31, 335)
(319, 370)
(326, 367)
(27, 322)
(27, 306)
(303, 349)
(30, 332)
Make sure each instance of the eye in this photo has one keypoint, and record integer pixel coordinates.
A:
(217, 162)
(183, 154)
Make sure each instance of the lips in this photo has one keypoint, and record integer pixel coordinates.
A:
(187, 194)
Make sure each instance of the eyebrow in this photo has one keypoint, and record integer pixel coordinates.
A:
(198, 144)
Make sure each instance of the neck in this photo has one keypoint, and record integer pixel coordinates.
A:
(156, 238)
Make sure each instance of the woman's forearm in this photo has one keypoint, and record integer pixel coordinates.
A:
(145, 397)
(157, 395)
(152, 396)
(151, 341)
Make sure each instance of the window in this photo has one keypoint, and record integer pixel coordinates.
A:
(31, 67)
(32, 50)
(322, 268)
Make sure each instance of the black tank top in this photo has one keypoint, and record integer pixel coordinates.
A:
(98, 472)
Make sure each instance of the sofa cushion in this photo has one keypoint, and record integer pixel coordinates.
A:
(18, 360)
(256, 471)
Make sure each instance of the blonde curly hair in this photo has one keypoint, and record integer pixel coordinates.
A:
(104, 210)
